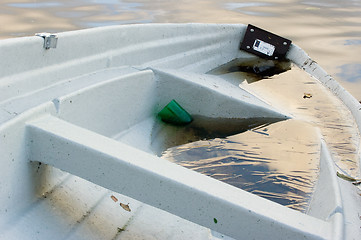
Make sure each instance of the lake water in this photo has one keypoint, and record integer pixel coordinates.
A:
(328, 30)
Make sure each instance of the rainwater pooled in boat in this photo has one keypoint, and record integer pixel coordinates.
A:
(259, 155)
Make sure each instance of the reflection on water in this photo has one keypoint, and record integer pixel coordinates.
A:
(333, 3)
(350, 72)
(329, 114)
(35, 5)
(277, 161)
(246, 8)
(353, 42)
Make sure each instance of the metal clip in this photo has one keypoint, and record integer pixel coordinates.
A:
(50, 40)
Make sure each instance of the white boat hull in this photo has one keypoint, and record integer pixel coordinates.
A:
(88, 107)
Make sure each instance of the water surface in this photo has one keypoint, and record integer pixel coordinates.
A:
(269, 160)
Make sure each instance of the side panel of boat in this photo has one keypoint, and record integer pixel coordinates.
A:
(112, 106)
(25, 61)
(211, 96)
(20, 183)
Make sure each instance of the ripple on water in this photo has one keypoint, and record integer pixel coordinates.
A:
(277, 165)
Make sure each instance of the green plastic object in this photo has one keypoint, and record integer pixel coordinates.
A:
(173, 113)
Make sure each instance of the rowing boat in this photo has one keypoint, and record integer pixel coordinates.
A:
(82, 140)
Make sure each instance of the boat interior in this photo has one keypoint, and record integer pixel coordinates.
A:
(80, 131)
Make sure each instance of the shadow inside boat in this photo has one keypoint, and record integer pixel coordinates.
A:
(254, 69)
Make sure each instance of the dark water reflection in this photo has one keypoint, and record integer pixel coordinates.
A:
(268, 160)
(254, 69)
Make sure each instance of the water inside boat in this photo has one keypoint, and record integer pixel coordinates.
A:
(278, 160)
(268, 160)
(202, 128)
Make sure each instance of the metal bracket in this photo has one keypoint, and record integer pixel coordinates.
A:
(264, 44)
(50, 40)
